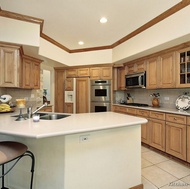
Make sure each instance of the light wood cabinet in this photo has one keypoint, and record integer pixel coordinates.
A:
(176, 140)
(188, 143)
(130, 68)
(145, 133)
(157, 134)
(80, 72)
(10, 67)
(183, 67)
(157, 130)
(69, 84)
(157, 115)
(46, 109)
(59, 90)
(119, 109)
(161, 71)
(176, 130)
(83, 72)
(103, 73)
(176, 118)
(135, 67)
(16, 70)
(131, 111)
(166, 71)
(151, 74)
(82, 95)
(71, 73)
(31, 72)
(121, 78)
(69, 108)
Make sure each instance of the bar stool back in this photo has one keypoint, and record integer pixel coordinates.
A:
(9, 151)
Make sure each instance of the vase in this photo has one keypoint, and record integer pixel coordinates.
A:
(155, 102)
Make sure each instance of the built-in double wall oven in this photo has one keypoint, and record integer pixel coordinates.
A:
(100, 95)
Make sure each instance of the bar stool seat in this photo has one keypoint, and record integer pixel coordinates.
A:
(10, 151)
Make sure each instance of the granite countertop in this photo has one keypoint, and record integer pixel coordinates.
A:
(160, 109)
(76, 123)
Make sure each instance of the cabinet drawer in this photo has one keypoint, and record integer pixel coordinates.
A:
(188, 120)
(176, 118)
(157, 115)
(144, 113)
(120, 109)
(132, 111)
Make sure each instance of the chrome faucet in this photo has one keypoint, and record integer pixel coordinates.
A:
(38, 109)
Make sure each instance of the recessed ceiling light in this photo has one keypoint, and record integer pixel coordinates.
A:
(81, 43)
(103, 20)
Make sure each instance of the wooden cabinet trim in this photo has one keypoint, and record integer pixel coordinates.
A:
(157, 115)
(176, 118)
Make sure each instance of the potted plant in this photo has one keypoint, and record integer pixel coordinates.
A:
(155, 99)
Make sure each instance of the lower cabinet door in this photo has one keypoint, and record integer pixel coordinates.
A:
(176, 142)
(145, 133)
(69, 108)
(188, 144)
(157, 134)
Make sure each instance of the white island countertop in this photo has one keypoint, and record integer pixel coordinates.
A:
(75, 123)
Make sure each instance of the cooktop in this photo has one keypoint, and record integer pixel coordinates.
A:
(135, 104)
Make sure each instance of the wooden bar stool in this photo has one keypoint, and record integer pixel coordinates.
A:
(10, 151)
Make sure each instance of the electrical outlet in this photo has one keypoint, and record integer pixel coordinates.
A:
(84, 138)
(166, 98)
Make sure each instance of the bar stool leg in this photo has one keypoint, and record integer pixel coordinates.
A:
(27, 153)
(3, 179)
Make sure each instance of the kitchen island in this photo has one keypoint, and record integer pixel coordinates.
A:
(88, 151)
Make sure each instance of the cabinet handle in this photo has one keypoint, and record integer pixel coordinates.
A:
(175, 118)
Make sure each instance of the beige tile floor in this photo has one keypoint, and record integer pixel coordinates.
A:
(161, 172)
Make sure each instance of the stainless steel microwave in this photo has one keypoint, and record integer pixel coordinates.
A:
(137, 80)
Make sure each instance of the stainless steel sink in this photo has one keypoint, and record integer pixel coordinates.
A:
(52, 116)
(46, 116)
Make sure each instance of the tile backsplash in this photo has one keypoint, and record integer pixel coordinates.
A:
(167, 97)
(33, 98)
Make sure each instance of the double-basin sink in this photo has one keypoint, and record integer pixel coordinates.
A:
(46, 116)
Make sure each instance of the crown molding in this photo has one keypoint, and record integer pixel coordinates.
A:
(149, 24)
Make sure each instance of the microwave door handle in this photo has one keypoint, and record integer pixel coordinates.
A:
(140, 83)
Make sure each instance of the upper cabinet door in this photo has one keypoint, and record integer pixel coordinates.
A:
(31, 73)
(166, 71)
(9, 67)
(151, 74)
(101, 73)
(183, 68)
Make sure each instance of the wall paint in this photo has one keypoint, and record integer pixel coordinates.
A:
(51, 51)
(163, 33)
(16, 31)
(174, 29)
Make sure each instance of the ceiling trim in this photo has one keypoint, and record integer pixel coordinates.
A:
(154, 21)
(22, 17)
(149, 24)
